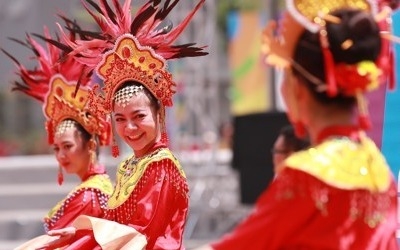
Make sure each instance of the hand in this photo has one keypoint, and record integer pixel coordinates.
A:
(65, 235)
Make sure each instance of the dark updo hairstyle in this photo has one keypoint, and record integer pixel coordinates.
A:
(355, 25)
(153, 100)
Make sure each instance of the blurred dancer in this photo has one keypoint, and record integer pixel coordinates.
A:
(286, 144)
(340, 193)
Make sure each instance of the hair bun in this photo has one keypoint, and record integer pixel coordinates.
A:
(360, 31)
(361, 25)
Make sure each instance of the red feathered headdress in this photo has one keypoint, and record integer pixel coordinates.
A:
(129, 48)
(53, 82)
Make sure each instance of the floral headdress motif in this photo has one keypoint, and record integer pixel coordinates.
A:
(53, 82)
(137, 50)
(64, 102)
(313, 16)
(130, 61)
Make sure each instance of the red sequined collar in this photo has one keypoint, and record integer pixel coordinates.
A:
(155, 146)
(152, 148)
(349, 131)
(94, 170)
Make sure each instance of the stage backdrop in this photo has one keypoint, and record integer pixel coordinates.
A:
(391, 125)
(254, 137)
(249, 88)
(255, 129)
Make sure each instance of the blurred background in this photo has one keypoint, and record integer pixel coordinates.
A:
(225, 118)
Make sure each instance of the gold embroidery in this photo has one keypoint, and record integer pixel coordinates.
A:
(131, 171)
(100, 182)
(344, 164)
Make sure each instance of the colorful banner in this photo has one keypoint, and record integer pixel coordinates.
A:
(250, 92)
(391, 124)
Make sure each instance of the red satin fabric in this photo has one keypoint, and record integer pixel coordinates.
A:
(288, 214)
(296, 223)
(82, 204)
(157, 208)
(352, 132)
(82, 201)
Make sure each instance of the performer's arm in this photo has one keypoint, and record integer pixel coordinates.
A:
(85, 202)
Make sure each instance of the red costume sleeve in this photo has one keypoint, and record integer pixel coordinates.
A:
(298, 211)
(263, 229)
(85, 202)
(156, 207)
(162, 205)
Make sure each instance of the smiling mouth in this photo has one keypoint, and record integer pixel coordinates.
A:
(134, 138)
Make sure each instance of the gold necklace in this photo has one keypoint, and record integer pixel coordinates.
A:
(126, 171)
(129, 168)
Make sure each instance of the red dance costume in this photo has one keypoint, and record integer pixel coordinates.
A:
(150, 199)
(151, 195)
(337, 195)
(88, 198)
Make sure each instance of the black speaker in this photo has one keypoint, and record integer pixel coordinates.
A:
(253, 139)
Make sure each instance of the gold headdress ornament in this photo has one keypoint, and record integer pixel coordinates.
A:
(135, 50)
(313, 16)
(128, 60)
(63, 102)
(53, 82)
(300, 15)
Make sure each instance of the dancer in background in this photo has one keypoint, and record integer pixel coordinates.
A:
(339, 193)
(149, 206)
(286, 143)
(73, 131)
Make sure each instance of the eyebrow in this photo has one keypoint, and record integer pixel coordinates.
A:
(131, 113)
(63, 143)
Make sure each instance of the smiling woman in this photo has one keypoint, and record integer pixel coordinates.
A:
(150, 183)
(149, 206)
(151, 192)
(136, 117)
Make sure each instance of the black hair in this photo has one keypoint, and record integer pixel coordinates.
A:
(356, 26)
(153, 100)
(291, 141)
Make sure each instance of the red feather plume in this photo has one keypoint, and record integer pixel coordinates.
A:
(50, 60)
(149, 25)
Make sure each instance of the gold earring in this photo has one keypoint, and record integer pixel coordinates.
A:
(92, 156)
